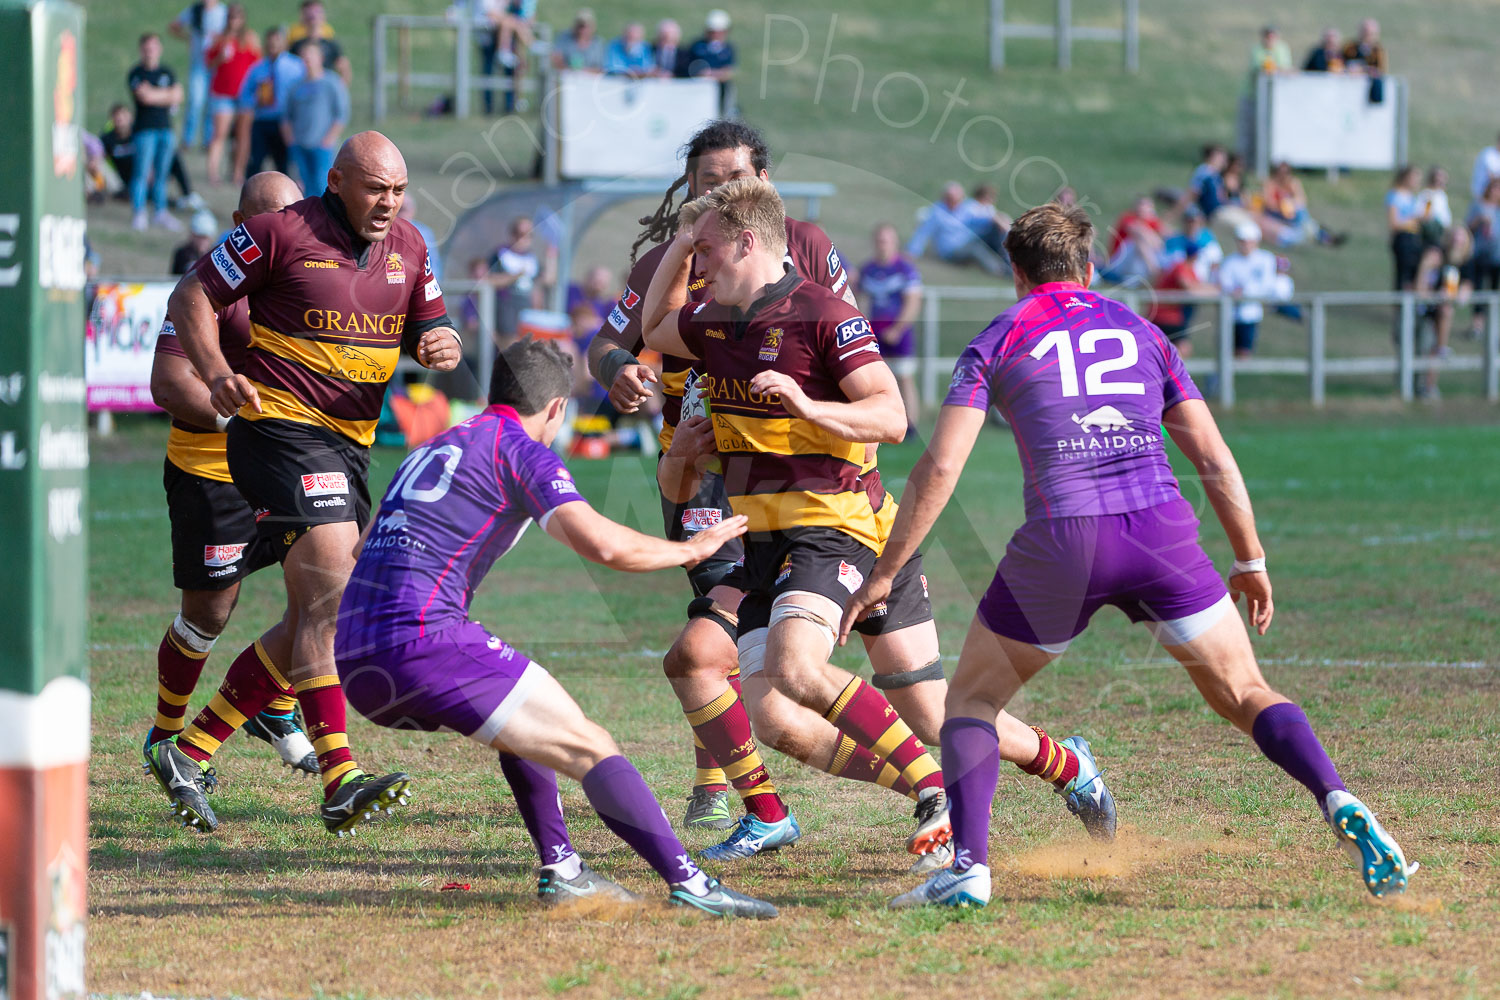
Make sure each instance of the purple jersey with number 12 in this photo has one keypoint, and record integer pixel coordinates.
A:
(455, 506)
(1083, 382)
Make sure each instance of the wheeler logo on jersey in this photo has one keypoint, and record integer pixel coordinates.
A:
(228, 270)
(851, 330)
(1105, 418)
(850, 577)
(395, 269)
(617, 319)
(629, 299)
(770, 347)
(244, 244)
(322, 483)
(223, 555)
(696, 519)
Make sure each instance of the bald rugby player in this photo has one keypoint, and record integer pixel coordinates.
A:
(338, 287)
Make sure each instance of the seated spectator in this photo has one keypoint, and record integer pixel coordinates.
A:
(1272, 55)
(1284, 214)
(1433, 209)
(598, 290)
(1366, 54)
(313, 26)
(1206, 186)
(262, 105)
(1483, 222)
(629, 55)
(579, 49)
(1249, 274)
(945, 224)
(1196, 243)
(229, 58)
(408, 211)
(1136, 245)
(1328, 57)
(203, 233)
(317, 109)
(1404, 221)
(667, 53)
(119, 150)
(1183, 274)
(1486, 169)
(889, 290)
(1233, 179)
(984, 217)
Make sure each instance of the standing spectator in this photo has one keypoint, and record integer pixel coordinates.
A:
(1433, 209)
(156, 92)
(317, 109)
(1248, 274)
(713, 55)
(517, 274)
(262, 105)
(1328, 57)
(198, 24)
(945, 224)
(666, 51)
(408, 211)
(1272, 55)
(203, 232)
(889, 288)
(580, 48)
(1486, 169)
(1484, 222)
(119, 149)
(313, 26)
(1365, 54)
(629, 55)
(1403, 219)
(598, 291)
(513, 40)
(229, 57)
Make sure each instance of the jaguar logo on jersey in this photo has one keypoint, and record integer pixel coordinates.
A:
(395, 270)
(249, 251)
(357, 365)
(700, 518)
(223, 555)
(630, 299)
(322, 483)
(786, 571)
(851, 330)
(770, 347)
(850, 577)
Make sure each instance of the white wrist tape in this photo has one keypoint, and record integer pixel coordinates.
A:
(221, 423)
(1249, 565)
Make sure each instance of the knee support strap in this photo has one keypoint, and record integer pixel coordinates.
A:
(804, 605)
(888, 682)
(707, 607)
(752, 650)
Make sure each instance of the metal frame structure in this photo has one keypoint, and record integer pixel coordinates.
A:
(463, 80)
(1065, 33)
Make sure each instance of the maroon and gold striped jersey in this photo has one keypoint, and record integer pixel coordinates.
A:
(329, 313)
(779, 470)
(200, 450)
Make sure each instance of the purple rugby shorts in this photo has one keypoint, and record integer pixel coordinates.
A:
(460, 678)
(1058, 571)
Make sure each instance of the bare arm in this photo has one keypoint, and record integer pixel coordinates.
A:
(192, 313)
(668, 294)
(874, 413)
(176, 388)
(1195, 433)
(911, 308)
(927, 492)
(600, 540)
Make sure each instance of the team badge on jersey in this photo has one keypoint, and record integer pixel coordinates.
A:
(395, 269)
(244, 244)
(850, 577)
(786, 570)
(770, 347)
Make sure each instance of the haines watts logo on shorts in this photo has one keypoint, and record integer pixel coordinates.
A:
(395, 270)
(696, 519)
(223, 555)
(65, 140)
(323, 483)
(770, 347)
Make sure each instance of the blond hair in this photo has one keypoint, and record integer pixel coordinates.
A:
(1051, 243)
(743, 203)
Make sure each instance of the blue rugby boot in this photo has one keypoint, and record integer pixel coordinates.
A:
(970, 887)
(1086, 795)
(752, 836)
(1381, 863)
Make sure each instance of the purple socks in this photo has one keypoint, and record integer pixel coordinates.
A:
(971, 769)
(535, 789)
(1284, 735)
(626, 805)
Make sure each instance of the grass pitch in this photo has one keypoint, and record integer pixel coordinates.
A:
(1383, 549)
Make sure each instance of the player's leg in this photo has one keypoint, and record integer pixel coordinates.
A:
(183, 653)
(1214, 647)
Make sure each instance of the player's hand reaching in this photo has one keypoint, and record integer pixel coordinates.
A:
(1257, 590)
(793, 399)
(230, 392)
(870, 593)
(439, 349)
(705, 543)
(693, 441)
(629, 389)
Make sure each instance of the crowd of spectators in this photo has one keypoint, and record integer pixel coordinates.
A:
(631, 55)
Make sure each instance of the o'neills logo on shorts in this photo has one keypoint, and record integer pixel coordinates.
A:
(322, 483)
(223, 555)
(699, 518)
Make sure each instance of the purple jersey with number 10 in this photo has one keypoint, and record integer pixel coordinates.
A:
(1083, 382)
(455, 506)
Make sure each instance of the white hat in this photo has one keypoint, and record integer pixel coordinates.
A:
(204, 223)
(717, 20)
(1247, 231)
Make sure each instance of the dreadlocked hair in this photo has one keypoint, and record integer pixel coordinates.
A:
(723, 133)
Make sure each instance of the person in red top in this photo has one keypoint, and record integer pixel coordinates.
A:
(229, 57)
(338, 287)
(1136, 242)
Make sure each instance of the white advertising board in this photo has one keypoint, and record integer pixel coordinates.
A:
(1327, 120)
(615, 127)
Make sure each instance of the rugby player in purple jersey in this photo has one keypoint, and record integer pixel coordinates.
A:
(1086, 385)
(409, 657)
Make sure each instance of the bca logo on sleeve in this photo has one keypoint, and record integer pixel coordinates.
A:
(244, 244)
(322, 483)
(834, 263)
(851, 330)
